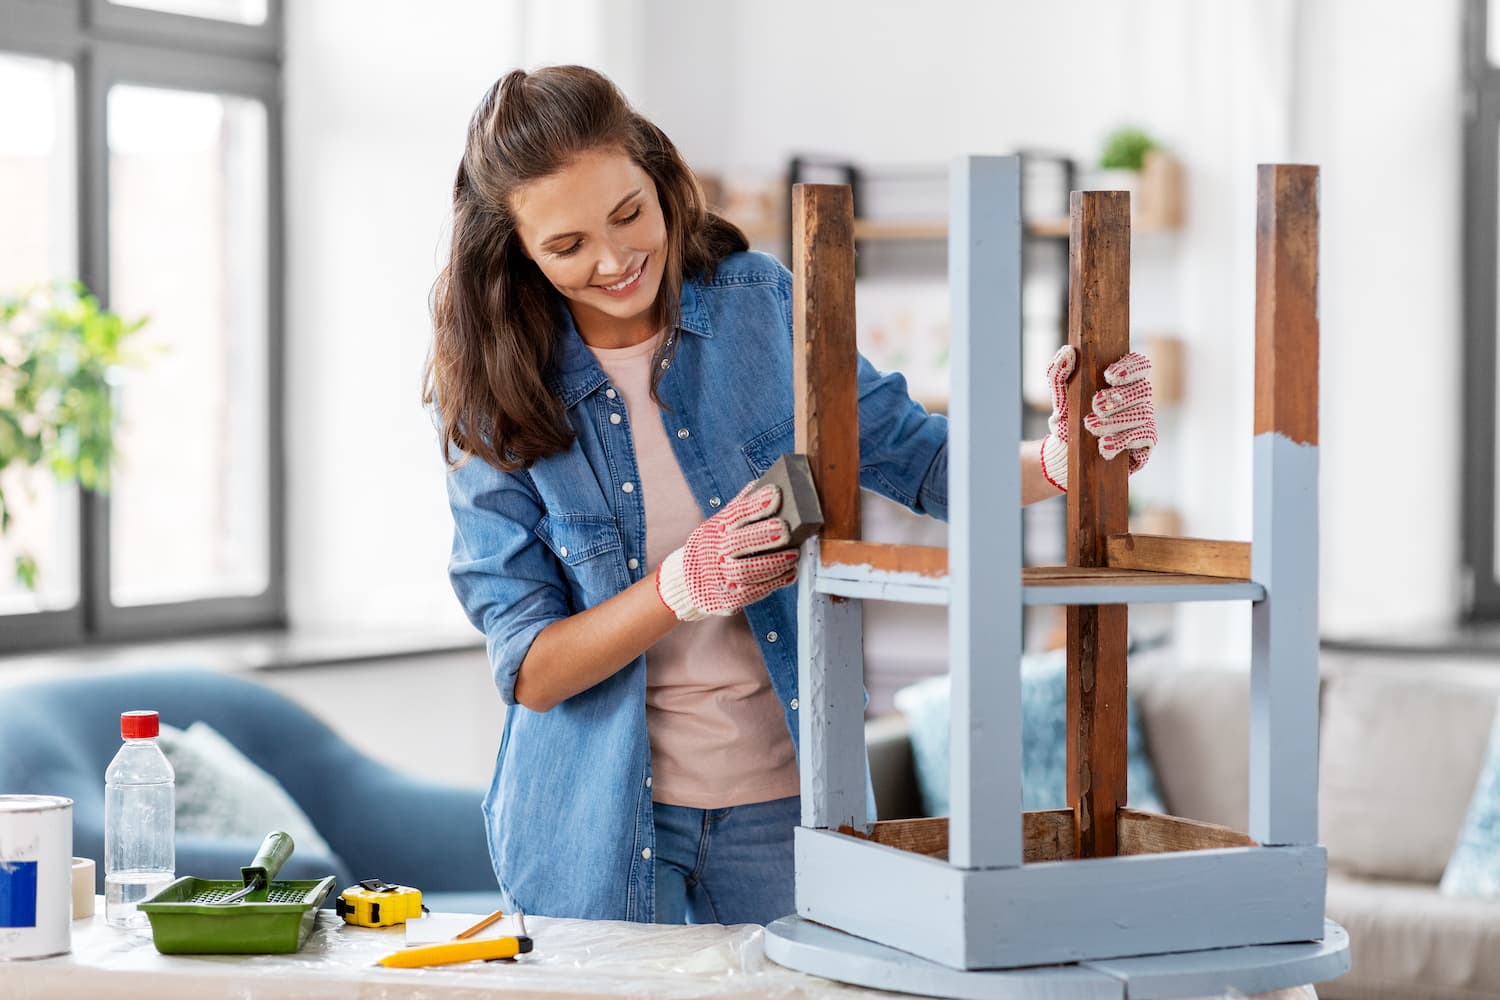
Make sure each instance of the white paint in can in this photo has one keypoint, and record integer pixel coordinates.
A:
(36, 875)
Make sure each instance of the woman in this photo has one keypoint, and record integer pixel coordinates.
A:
(611, 366)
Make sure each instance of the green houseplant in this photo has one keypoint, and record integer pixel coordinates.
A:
(58, 350)
(1126, 149)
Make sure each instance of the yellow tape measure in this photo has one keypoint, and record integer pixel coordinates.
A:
(377, 903)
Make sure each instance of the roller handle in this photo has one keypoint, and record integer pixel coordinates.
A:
(274, 851)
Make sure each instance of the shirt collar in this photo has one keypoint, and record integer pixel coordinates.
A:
(576, 373)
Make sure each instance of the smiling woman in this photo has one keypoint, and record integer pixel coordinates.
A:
(605, 256)
(610, 369)
(562, 146)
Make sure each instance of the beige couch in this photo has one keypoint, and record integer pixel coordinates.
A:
(1402, 741)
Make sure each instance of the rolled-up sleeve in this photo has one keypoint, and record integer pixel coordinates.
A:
(504, 576)
(903, 449)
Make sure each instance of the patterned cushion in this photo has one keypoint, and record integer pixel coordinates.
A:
(1474, 868)
(1044, 694)
(222, 793)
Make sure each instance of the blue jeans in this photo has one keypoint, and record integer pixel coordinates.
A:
(725, 866)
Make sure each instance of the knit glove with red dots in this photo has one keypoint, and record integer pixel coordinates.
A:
(726, 563)
(1123, 417)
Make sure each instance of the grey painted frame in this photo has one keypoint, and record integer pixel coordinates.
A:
(1481, 191)
(980, 906)
(984, 513)
(823, 951)
(196, 56)
(1061, 911)
(830, 704)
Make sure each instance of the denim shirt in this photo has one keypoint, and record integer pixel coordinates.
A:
(568, 812)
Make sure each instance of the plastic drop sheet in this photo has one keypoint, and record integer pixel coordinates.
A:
(571, 958)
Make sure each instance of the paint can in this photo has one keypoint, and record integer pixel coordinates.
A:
(36, 875)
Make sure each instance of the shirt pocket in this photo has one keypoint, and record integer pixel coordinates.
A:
(588, 546)
(766, 447)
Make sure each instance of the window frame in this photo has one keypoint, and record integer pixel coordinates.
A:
(108, 45)
(1481, 231)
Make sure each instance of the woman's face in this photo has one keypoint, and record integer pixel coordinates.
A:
(596, 230)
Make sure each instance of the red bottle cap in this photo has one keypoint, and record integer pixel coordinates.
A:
(140, 725)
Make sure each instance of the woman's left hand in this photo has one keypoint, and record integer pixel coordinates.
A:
(1123, 416)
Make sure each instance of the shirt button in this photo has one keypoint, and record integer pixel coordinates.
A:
(563, 552)
(682, 432)
(646, 854)
(714, 501)
(610, 393)
(648, 781)
(628, 487)
(772, 637)
(664, 365)
(794, 704)
(635, 563)
(614, 418)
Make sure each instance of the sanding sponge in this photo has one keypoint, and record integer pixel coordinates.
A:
(799, 496)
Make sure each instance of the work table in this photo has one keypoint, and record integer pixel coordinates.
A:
(572, 958)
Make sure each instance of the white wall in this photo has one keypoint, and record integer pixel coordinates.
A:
(377, 101)
(1374, 100)
(1384, 117)
(378, 97)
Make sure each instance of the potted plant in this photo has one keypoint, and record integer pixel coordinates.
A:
(1122, 159)
(59, 350)
(1135, 162)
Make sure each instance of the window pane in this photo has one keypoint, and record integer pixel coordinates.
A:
(188, 242)
(1492, 23)
(38, 245)
(1495, 493)
(239, 11)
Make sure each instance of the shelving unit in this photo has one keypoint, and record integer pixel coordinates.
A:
(1162, 181)
(888, 230)
(1095, 901)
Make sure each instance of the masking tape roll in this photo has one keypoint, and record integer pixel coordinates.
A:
(83, 888)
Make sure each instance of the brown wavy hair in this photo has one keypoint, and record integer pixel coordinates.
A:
(495, 315)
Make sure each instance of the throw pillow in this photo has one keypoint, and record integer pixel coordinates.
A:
(1044, 754)
(222, 793)
(1399, 757)
(1474, 868)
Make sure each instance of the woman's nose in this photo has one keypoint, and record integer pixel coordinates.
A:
(612, 261)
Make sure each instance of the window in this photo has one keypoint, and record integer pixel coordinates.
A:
(238, 11)
(140, 156)
(37, 160)
(187, 246)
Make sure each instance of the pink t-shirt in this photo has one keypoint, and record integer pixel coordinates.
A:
(718, 735)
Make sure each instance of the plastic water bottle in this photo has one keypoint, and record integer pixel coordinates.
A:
(139, 819)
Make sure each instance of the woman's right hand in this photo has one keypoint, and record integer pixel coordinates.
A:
(726, 563)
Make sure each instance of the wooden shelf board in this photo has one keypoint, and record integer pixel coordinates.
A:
(917, 230)
(1056, 228)
(873, 229)
(919, 574)
(1044, 585)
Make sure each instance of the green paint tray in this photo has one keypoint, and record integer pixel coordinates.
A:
(188, 916)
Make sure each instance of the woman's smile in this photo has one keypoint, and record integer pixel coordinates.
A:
(625, 286)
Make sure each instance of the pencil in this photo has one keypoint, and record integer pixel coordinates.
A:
(450, 952)
(487, 921)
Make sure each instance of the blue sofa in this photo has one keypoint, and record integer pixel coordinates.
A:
(57, 737)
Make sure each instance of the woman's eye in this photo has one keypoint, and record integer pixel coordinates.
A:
(631, 217)
(570, 251)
